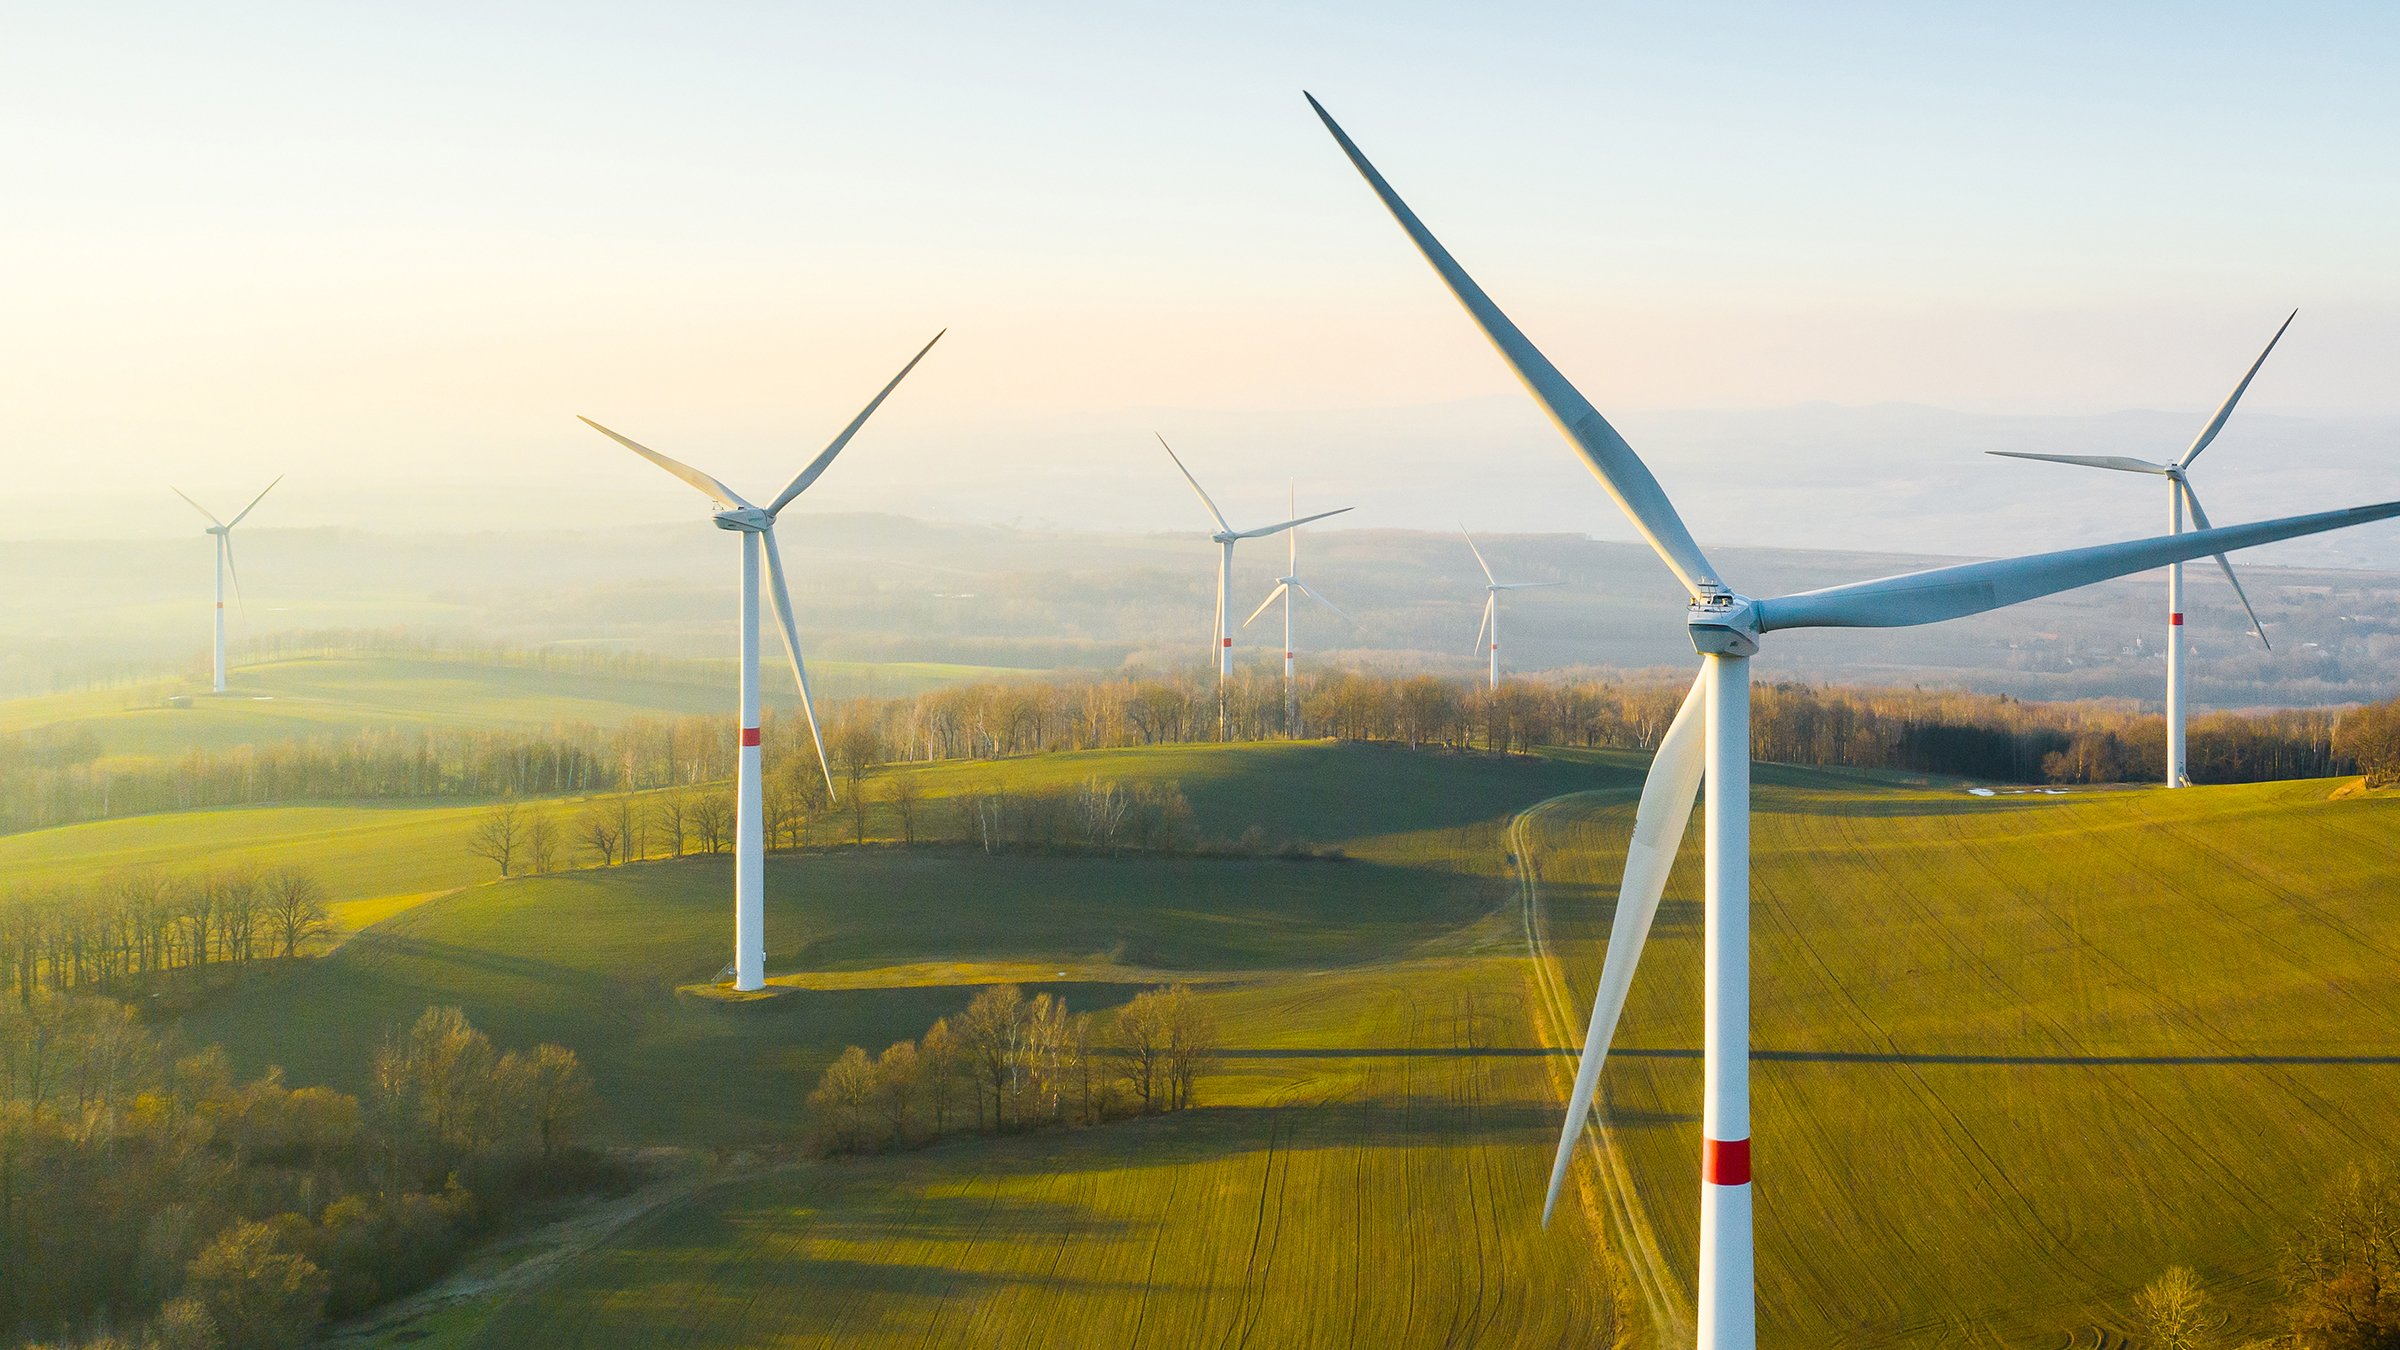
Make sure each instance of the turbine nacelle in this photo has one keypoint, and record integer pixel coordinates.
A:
(749, 519)
(1724, 624)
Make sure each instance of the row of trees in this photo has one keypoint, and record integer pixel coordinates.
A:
(144, 922)
(148, 1189)
(1008, 1062)
(49, 779)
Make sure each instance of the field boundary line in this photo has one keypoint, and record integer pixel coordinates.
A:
(1618, 1212)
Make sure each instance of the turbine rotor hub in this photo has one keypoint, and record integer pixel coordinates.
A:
(1223, 537)
(748, 519)
(1722, 623)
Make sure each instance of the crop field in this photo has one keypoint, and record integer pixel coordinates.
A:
(2014, 1056)
(341, 695)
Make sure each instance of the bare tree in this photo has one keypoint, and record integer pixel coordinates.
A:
(2173, 1311)
(899, 1073)
(1192, 1044)
(937, 1067)
(295, 908)
(987, 1035)
(1141, 1040)
(712, 820)
(843, 1100)
(541, 843)
(905, 794)
(670, 817)
(596, 830)
(500, 835)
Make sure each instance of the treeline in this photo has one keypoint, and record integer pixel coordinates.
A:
(148, 1198)
(143, 922)
(48, 779)
(1010, 1063)
(2341, 1281)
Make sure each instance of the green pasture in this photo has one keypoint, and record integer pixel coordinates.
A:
(297, 698)
(2015, 1055)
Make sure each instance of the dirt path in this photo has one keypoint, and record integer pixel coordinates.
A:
(533, 1256)
(1606, 1186)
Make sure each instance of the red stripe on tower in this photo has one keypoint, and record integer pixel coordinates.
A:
(749, 735)
(1725, 1162)
(2175, 619)
(1229, 642)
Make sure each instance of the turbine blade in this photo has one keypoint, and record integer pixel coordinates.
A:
(1337, 609)
(1658, 827)
(233, 571)
(1619, 469)
(2200, 518)
(1272, 597)
(197, 507)
(782, 596)
(1972, 588)
(1222, 523)
(1489, 600)
(824, 457)
(2119, 462)
(1524, 585)
(254, 501)
(726, 498)
(1291, 550)
(1265, 530)
(2217, 423)
(1479, 562)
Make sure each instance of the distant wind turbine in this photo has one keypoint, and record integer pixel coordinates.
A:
(223, 530)
(1285, 586)
(756, 525)
(2179, 496)
(1709, 741)
(1225, 538)
(1491, 603)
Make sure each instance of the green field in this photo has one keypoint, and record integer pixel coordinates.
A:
(2015, 1055)
(343, 695)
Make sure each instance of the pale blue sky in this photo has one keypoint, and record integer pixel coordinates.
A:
(393, 249)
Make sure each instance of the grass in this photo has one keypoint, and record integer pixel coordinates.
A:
(876, 943)
(2014, 1056)
(318, 696)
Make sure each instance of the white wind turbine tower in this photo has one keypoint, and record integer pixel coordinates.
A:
(1709, 741)
(1491, 603)
(1225, 538)
(756, 525)
(223, 530)
(2180, 496)
(1285, 585)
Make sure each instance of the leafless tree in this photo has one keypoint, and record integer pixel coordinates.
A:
(500, 835)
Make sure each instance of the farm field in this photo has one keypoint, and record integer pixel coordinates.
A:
(301, 697)
(2013, 1056)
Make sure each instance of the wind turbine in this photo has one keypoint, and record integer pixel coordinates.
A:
(223, 530)
(2179, 496)
(756, 525)
(1709, 741)
(1491, 603)
(1225, 538)
(1285, 585)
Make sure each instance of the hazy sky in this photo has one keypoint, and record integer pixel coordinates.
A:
(393, 249)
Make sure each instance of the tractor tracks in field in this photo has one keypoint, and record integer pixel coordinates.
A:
(1617, 1208)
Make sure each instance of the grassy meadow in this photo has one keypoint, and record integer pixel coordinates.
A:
(340, 695)
(2015, 1054)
